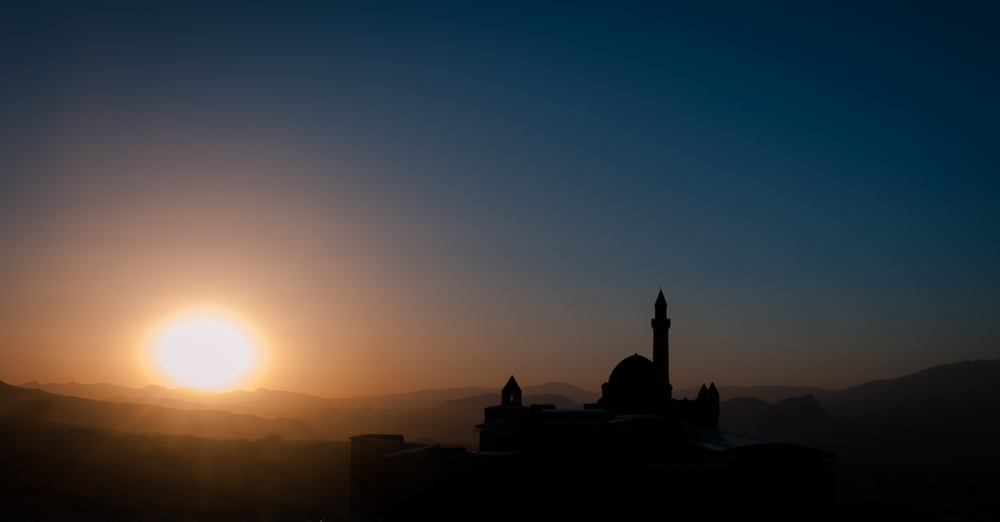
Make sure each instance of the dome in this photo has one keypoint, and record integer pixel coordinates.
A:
(633, 370)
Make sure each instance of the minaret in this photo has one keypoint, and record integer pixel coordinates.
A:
(661, 344)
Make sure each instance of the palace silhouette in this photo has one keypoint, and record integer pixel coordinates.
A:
(640, 386)
(633, 452)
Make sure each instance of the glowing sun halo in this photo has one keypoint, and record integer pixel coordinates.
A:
(204, 351)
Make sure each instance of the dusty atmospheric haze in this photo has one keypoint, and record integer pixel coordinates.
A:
(392, 197)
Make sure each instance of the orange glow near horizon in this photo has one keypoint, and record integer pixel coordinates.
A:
(206, 350)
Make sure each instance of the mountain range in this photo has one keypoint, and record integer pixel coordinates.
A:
(944, 419)
(275, 404)
(30, 406)
(950, 404)
(438, 415)
(769, 394)
(78, 448)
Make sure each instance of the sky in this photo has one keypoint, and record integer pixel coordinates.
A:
(396, 196)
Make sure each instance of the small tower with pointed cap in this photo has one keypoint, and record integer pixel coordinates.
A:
(661, 345)
(511, 393)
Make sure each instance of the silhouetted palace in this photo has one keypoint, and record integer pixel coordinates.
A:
(637, 451)
(640, 386)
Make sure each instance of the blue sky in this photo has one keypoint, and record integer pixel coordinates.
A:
(813, 186)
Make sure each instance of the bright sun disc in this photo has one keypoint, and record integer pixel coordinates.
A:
(204, 351)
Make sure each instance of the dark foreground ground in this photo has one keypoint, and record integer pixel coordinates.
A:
(914, 474)
(52, 472)
(58, 472)
(885, 495)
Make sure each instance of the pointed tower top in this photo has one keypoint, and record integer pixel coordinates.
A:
(511, 386)
(511, 393)
(660, 307)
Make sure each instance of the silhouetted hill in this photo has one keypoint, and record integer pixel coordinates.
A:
(790, 417)
(768, 394)
(479, 402)
(942, 407)
(189, 405)
(795, 414)
(943, 418)
(961, 399)
(965, 378)
(27, 405)
(416, 400)
(451, 423)
(743, 407)
(568, 391)
(59, 472)
(261, 401)
(274, 404)
(98, 391)
(902, 442)
(964, 394)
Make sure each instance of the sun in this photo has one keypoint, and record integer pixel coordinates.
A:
(207, 351)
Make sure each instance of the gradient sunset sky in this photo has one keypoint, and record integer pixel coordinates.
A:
(398, 196)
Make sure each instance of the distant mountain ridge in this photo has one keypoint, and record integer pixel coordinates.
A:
(23, 405)
(954, 402)
(441, 415)
(768, 394)
(961, 379)
(451, 423)
(981, 377)
(964, 394)
(942, 419)
(262, 401)
(793, 416)
(275, 404)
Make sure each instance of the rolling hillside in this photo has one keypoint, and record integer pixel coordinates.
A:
(26, 405)
(274, 404)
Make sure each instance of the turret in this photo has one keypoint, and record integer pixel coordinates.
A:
(661, 345)
(712, 415)
(511, 393)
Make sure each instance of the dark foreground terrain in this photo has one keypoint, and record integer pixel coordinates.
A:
(58, 472)
(924, 446)
(920, 447)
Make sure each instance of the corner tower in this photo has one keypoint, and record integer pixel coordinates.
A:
(510, 395)
(661, 345)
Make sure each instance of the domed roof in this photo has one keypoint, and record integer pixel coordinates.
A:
(634, 369)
